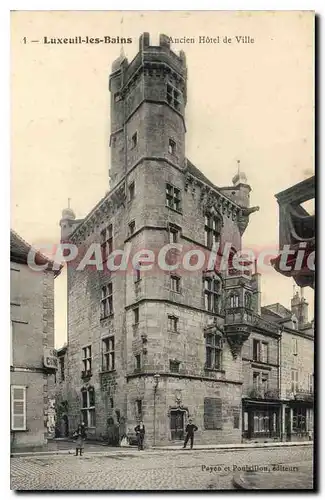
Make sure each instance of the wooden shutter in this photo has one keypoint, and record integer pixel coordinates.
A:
(18, 408)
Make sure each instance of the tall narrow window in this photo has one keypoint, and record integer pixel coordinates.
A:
(294, 381)
(108, 345)
(212, 294)
(213, 346)
(136, 315)
(172, 323)
(175, 283)
(106, 238)
(248, 300)
(294, 346)
(88, 407)
(264, 352)
(173, 235)
(256, 350)
(107, 301)
(134, 140)
(233, 300)
(86, 360)
(131, 228)
(212, 230)
(18, 408)
(173, 197)
(138, 362)
(139, 408)
(62, 371)
(171, 147)
(132, 190)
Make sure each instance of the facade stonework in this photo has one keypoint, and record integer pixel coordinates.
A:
(32, 330)
(159, 345)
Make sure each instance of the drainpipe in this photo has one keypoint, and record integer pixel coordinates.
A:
(282, 421)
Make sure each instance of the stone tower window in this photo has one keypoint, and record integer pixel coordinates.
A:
(174, 366)
(173, 97)
(175, 284)
(173, 197)
(233, 300)
(138, 362)
(88, 407)
(131, 228)
(86, 360)
(171, 147)
(131, 190)
(134, 140)
(248, 300)
(106, 239)
(107, 301)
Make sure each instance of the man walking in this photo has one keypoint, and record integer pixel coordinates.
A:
(190, 429)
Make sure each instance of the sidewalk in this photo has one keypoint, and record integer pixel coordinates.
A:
(296, 476)
(68, 447)
(239, 446)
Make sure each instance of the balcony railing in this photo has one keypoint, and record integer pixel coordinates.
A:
(300, 395)
(244, 316)
(262, 393)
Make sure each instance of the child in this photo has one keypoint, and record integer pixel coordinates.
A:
(80, 434)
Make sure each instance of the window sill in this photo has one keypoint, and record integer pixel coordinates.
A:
(173, 331)
(218, 370)
(19, 430)
(107, 317)
(107, 371)
(174, 210)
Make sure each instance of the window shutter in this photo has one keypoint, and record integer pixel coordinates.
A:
(18, 408)
(212, 413)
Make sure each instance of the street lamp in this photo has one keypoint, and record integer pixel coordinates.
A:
(156, 378)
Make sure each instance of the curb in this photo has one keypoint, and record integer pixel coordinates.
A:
(237, 447)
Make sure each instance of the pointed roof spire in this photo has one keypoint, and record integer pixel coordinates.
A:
(240, 177)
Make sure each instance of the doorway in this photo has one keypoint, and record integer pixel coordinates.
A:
(177, 418)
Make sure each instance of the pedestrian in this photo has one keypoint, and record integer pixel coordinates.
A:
(190, 429)
(81, 435)
(140, 432)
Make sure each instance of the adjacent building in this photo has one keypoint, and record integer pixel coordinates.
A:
(163, 344)
(33, 362)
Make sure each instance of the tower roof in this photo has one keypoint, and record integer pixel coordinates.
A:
(239, 177)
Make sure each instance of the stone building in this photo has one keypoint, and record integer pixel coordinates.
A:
(33, 362)
(156, 342)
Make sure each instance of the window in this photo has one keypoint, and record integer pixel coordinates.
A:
(233, 300)
(213, 347)
(18, 408)
(212, 413)
(260, 351)
(212, 230)
(311, 383)
(61, 363)
(107, 301)
(172, 323)
(173, 97)
(86, 360)
(88, 407)
(137, 274)
(132, 190)
(106, 238)
(108, 346)
(171, 147)
(134, 140)
(173, 235)
(173, 197)
(212, 294)
(136, 315)
(256, 380)
(131, 228)
(299, 420)
(175, 282)
(294, 381)
(295, 347)
(261, 421)
(138, 405)
(174, 366)
(138, 362)
(264, 382)
(248, 300)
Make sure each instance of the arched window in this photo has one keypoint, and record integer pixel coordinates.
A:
(233, 300)
(212, 294)
(248, 300)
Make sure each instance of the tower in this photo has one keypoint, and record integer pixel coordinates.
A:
(148, 98)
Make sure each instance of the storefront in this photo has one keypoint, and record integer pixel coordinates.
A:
(261, 420)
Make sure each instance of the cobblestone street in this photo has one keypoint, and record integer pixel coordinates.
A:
(129, 469)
